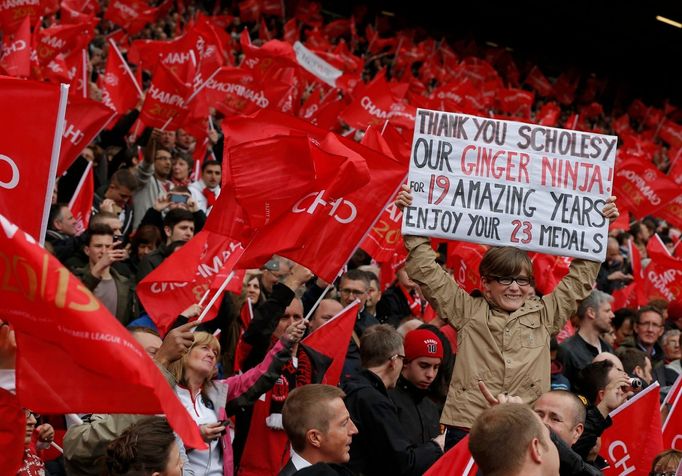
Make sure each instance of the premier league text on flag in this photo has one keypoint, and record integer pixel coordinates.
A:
(505, 183)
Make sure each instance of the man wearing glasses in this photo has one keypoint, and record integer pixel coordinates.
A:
(504, 335)
(354, 285)
(648, 329)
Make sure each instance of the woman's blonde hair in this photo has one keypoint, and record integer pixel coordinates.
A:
(178, 368)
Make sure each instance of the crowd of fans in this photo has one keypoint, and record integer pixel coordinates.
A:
(426, 361)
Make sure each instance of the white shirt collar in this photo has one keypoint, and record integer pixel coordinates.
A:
(298, 461)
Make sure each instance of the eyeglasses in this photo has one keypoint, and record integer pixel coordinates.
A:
(651, 325)
(507, 280)
(354, 292)
(398, 356)
(28, 414)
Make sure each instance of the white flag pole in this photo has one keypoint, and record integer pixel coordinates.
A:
(125, 65)
(54, 159)
(215, 298)
(80, 184)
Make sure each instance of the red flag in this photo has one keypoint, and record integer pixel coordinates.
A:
(672, 212)
(672, 427)
(549, 270)
(54, 314)
(515, 101)
(120, 92)
(564, 89)
(122, 12)
(85, 119)
(61, 39)
(238, 91)
(12, 13)
(634, 439)
(373, 103)
(661, 282)
(164, 102)
(671, 133)
(622, 124)
(12, 430)
(74, 17)
(464, 259)
(549, 114)
(27, 163)
(291, 31)
(642, 187)
(249, 10)
(633, 295)
(183, 278)
(539, 82)
(146, 16)
(658, 252)
(15, 58)
(331, 339)
(76, 64)
(311, 228)
(81, 202)
(457, 461)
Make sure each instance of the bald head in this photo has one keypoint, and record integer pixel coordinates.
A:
(611, 358)
(327, 309)
(563, 413)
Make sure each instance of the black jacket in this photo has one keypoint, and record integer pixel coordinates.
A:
(325, 469)
(570, 462)
(595, 424)
(393, 307)
(576, 354)
(418, 414)
(380, 447)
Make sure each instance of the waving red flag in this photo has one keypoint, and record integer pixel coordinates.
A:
(539, 82)
(549, 270)
(164, 102)
(671, 133)
(81, 202)
(122, 12)
(238, 91)
(634, 439)
(61, 39)
(310, 230)
(15, 58)
(515, 101)
(549, 114)
(12, 14)
(672, 427)
(54, 314)
(642, 187)
(85, 119)
(183, 278)
(331, 339)
(120, 91)
(464, 259)
(373, 103)
(12, 430)
(28, 161)
(457, 461)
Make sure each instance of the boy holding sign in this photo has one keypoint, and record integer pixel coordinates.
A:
(503, 336)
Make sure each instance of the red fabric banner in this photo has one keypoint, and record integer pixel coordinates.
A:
(373, 102)
(61, 39)
(15, 58)
(311, 228)
(672, 427)
(549, 270)
(464, 259)
(12, 430)
(119, 91)
(642, 187)
(85, 119)
(122, 12)
(331, 339)
(81, 202)
(25, 156)
(457, 461)
(54, 314)
(539, 82)
(12, 13)
(164, 103)
(634, 439)
(183, 278)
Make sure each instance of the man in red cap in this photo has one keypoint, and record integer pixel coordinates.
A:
(419, 415)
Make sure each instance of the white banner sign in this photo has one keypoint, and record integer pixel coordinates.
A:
(505, 183)
(316, 65)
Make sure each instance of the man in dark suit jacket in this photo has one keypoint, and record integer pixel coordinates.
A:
(318, 425)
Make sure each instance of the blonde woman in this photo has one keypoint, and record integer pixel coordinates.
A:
(206, 399)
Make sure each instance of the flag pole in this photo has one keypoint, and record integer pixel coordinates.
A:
(203, 298)
(54, 160)
(80, 184)
(125, 65)
(85, 72)
(215, 298)
(319, 300)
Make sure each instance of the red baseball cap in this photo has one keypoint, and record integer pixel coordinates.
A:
(422, 343)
